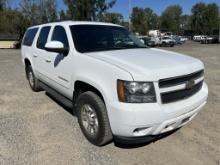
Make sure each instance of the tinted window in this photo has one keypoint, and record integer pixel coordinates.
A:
(59, 34)
(29, 37)
(88, 38)
(42, 39)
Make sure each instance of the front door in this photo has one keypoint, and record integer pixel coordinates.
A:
(59, 65)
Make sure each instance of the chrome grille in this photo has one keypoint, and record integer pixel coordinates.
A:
(188, 85)
(180, 79)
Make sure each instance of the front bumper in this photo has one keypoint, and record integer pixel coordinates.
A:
(137, 120)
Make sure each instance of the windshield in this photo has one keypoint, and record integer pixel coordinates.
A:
(90, 38)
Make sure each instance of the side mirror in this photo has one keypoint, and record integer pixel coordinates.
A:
(56, 46)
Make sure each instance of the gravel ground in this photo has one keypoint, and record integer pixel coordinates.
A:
(34, 129)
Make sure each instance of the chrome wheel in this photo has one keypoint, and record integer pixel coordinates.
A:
(89, 119)
(31, 78)
(93, 119)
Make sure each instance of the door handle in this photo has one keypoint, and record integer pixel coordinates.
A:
(35, 55)
(48, 60)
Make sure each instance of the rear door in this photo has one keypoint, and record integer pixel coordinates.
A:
(27, 47)
(41, 54)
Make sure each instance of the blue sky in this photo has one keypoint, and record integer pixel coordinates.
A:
(158, 6)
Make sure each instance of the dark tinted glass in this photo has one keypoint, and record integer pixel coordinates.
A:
(88, 38)
(29, 37)
(59, 34)
(42, 39)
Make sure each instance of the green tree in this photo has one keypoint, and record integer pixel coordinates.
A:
(115, 18)
(151, 19)
(171, 17)
(48, 9)
(3, 4)
(212, 18)
(125, 24)
(89, 10)
(2, 8)
(185, 22)
(62, 15)
(12, 22)
(137, 21)
(143, 20)
(39, 11)
(198, 22)
(30, 11)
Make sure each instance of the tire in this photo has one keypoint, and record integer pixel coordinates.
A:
(171, 44)
(33, 81)
(163, 44)
(96, 119)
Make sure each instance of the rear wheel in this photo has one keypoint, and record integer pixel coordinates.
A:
(93, 119)
(33, 82)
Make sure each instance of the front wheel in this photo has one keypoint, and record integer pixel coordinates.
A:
(93, 119)
(171, 44)
(163, 44)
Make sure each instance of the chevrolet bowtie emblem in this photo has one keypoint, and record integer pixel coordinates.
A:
(190, 84)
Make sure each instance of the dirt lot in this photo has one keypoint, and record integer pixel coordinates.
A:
(34, 129)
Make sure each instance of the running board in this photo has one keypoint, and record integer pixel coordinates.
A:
(56, 95)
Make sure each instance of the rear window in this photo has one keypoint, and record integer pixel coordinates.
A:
(29, 36)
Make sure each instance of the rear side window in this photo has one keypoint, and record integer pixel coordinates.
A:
(29, 37)
(42, 39)
(59, 34)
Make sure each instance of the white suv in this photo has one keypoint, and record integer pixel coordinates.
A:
(118, 87)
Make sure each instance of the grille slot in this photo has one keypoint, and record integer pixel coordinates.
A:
(169, 82)
(180, 94)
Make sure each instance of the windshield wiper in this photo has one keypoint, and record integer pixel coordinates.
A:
(112, 48)
(131, 47)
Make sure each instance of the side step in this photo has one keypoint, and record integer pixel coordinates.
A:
(56, 95)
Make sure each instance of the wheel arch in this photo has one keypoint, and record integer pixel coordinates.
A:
(81, 86)
(27, 62)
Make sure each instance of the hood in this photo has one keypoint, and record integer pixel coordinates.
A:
(150, 64)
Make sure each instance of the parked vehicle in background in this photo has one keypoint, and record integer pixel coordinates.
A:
(156, 40)
(177, 39)
(148, 41)
(183, 39)
(154, 33)
(205, 40)
(202, 38)
(209, 40)
(198, 38)
(117, 87)
(166, 41)
(167, 33)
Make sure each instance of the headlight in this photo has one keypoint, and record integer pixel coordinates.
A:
(136, 92)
